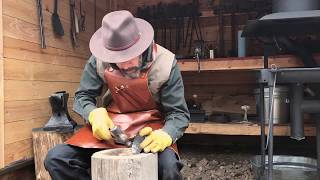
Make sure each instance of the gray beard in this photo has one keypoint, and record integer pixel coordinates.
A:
(131, 75)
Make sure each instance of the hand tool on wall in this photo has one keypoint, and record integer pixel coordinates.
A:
(73, 24)
(179, 26)
(56, 23)
(162, 22)
(197, 52)
(95, 14)
(76, 21)
(221, 32)
(233, 51)
(197, 14)
(82, 20)
(193, 20)
(154, 16)
(188, 9)
(60, 120)
(41, 26)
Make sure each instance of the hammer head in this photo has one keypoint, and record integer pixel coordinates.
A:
(120, 137)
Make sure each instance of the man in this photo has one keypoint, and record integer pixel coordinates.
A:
(145, 95)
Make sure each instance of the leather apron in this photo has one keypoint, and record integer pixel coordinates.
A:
(132, 108)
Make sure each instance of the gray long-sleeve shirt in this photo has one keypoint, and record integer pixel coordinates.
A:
(171, 98)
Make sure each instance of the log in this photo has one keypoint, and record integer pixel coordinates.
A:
(121, 164)
(43, 141)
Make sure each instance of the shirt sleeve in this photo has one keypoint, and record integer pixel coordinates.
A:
(174, 106)
(90, 88)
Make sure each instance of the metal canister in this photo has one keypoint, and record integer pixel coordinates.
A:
(281, 104)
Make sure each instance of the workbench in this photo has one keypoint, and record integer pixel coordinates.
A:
(233, 65)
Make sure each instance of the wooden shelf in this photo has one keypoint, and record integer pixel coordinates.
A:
(242, 129)
(246, 63)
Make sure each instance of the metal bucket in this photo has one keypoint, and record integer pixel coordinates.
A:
(281, 104)
(287, 168)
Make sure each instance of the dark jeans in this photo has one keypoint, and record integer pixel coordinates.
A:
(64, 162)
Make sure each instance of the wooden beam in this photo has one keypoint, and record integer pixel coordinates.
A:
(26, 70)
(28, 51)
(30, 90)
(30, 109)
(1, 92)
(21, 130)
(1, 114)
(219, 78)
(18, 150)
(246, 63)
(242, 129)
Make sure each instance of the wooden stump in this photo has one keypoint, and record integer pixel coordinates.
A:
(43, 141)
(121, 164)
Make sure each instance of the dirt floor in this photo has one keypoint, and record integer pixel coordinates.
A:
(218, 164)
(229, 158)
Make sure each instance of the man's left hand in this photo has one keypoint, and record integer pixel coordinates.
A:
(156, 141)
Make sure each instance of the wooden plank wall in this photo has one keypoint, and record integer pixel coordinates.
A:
(31, 74)
(1, 93)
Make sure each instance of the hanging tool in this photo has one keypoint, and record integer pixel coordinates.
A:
(82, 20)
(76, 21)
(162, 22)
(40, 15)
(154, 16)
(221, 31)
(233, 52)
(73, 24)
(187, 14)
(197, 52)
(193, 19)
(56, 23)
(95, 14)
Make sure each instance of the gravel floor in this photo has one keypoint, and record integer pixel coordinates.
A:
(215, 164)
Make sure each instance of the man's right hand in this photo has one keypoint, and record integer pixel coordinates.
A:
(101, 124)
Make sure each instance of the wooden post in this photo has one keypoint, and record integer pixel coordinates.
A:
(122, 164)
(43, 141)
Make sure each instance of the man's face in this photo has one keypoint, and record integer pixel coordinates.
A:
(131, 68)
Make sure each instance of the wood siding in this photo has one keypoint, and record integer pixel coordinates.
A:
(1, 92)
(31, 74)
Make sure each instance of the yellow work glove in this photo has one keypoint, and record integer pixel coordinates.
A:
(101, 123)
(156, 141)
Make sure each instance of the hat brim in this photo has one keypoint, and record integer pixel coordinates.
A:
(99, 51)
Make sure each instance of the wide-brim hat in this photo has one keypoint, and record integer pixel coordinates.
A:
(121, 37)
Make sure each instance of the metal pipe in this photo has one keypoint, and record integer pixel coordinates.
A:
(310, 106)
(318, 144)
(298, 75)
(270, 143)
(262, 129)
(266, 55)
(297, 126)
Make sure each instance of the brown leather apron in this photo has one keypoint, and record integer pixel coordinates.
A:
(132, 108)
